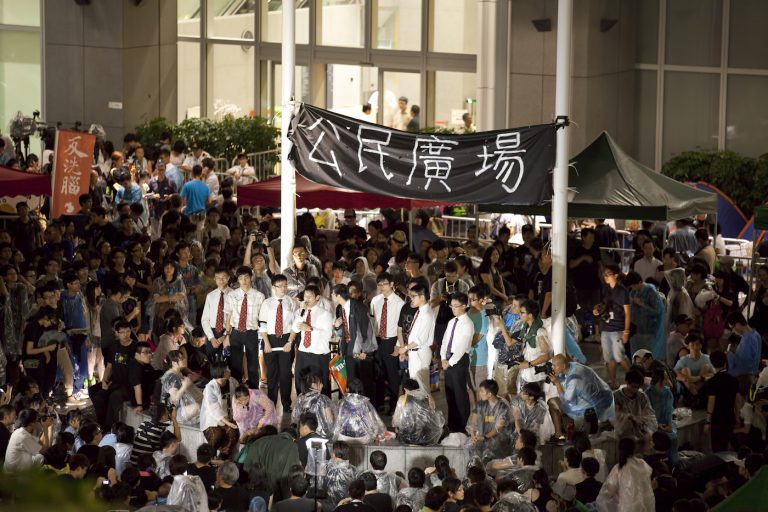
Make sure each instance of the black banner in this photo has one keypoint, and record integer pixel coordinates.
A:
(507, 166)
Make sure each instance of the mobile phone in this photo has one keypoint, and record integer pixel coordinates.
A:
(105, 482)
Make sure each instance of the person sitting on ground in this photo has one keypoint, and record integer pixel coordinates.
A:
(169, 445)
(204, 467)
(435, 499)
(380, 501)
(308, 442)
(25, 449)
(588, 489)
(414, 494)
(147, 439)
(123, 447)
(530, 412)
(180, 390)
(235, 498)
(358, 422)
(489, 423)
(510, 500)
(74, 421)
(91, 435)
(628, 486)
(216, 423)
(251, 410)
(355, 501)
(482, 495)
(455, 494)
(581, 389)
(297, 502)
(634, 415)
(416, 419)
(187, 491)
(78, 467)
(694, 369)
(387, 482)
(571, 465)
(339, 473)
(311, 400)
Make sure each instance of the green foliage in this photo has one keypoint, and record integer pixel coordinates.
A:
(224, 138)
(742, 178)
(38, 491)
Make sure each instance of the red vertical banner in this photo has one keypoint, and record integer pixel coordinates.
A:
(72, 161)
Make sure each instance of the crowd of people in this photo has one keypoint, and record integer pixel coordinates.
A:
(163, 301)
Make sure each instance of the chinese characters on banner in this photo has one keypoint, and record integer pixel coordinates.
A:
(507, 167)
(72, 162)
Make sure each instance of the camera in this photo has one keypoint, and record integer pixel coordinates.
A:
(546, 369)
(490, 309)
(259, 237)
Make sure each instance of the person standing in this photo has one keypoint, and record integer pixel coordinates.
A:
(723, 403)
(276, 318)
(196, 197)
(454, 354)
(418, 339)
(315, 326)
(385, 309)
(616, 316)
(241, 308)
(212, 320)
(356, 344)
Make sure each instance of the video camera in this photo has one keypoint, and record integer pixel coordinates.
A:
(546, 369)
(259, 240)
(490, 309)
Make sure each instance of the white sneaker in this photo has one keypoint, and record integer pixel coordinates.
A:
(72, 400)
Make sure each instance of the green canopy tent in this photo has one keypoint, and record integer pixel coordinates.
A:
(610, 184)
(749, 496)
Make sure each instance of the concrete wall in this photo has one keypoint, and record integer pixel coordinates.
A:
(110, 51)
(603, 69)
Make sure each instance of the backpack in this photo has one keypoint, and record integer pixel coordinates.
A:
(713, 324)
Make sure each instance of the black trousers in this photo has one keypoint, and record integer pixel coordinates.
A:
(720, 436)
(279, 375)
(456, 395)
(362, 369)
(245, 343)
(315, 363)
(108, 403)
(215, 353)
(390, 370)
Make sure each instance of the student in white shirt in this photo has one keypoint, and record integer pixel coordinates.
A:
(25, 450)
(242, 173)
(213, 317)
(276, 318)
(454, 354)
(385, 310)
(241, 308)
(419, 337)
(313, 327)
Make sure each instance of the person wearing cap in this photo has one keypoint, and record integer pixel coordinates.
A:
(676, 338)
(241, 308)
(195, 157)
(242, 173)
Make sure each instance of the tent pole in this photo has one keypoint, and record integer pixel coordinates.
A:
(560, 180)
(410, 229)
(714, 234)
(288, 174)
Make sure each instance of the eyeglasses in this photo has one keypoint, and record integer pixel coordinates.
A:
(457, 305)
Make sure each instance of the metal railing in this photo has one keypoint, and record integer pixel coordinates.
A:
(458, 227)
(265, 163)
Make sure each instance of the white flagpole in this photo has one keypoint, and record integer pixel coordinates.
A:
(560, 180)
(288, 173)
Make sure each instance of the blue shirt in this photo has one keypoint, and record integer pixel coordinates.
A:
(695, 365)
(478, 356)
(196, 193)
(129, 195)
(72, 311)
(746, 359)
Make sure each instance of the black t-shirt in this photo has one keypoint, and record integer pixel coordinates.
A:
(96, 233)
(381, 502)
(585, 276)
(299, 505)
(25, 236)
(542, 284)
(143, 375)
(197, 361)
(5, 437)
(144, 273)
(234, 499)
(32, 332)
(406, 318)
(605, 236)
(724, 387)
(615, 299)
(355, 506)
(120, 356)
(91, 451)
(206, 473)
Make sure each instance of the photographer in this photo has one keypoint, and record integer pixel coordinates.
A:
(441, 293)
(255, 243)
(536, 353)
(581, 389)
(614, 314)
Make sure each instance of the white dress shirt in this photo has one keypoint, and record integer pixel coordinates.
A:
(394, 305)
(268, 315)
(211, 309)
(423, 328)
(462, 339)
(321, 322)
(234, 303)
(243, 175)
(214, 406)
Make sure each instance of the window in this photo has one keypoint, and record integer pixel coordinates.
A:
(451, 92)
(188, 17)
(690, 112)
(349, 87)
(747, 124)
(20, 74)
(272, 21)
(453, 26)
(645, 117)
(20, 12)
(188, 66)
(398, 24)
(233, 19)
(341, 23)
(748, 47)
(399, 85)
(272, 88)
(231, 87)
(694, 29)
(647, 43)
